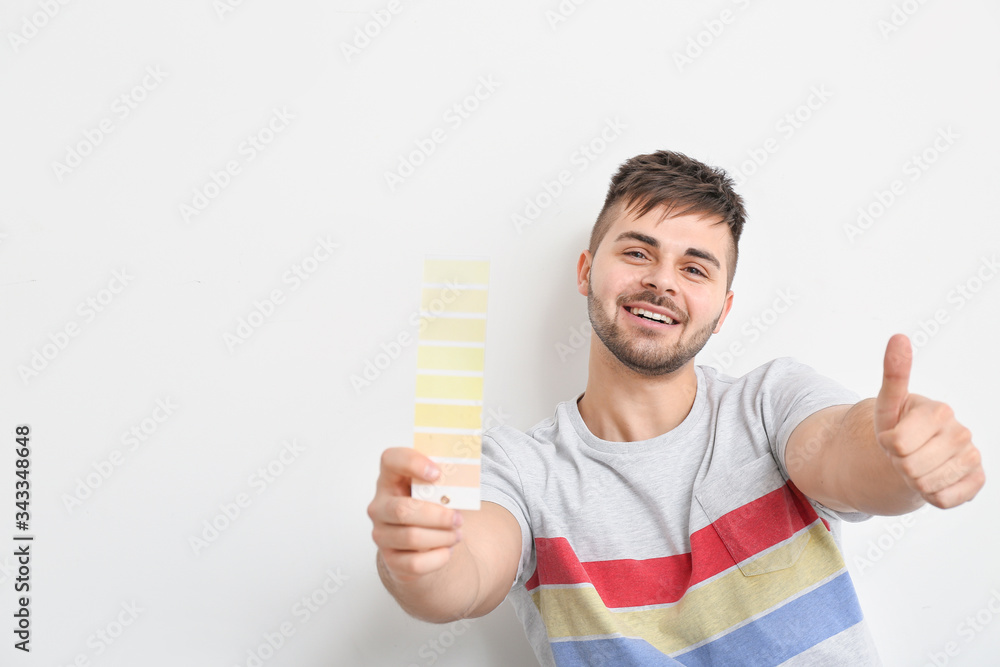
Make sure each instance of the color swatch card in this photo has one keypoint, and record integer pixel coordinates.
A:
(450, 359)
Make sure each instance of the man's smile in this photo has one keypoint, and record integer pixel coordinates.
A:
(651, 315)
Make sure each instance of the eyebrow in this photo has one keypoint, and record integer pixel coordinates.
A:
(653, 243)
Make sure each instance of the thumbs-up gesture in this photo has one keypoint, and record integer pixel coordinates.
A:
(928, 447)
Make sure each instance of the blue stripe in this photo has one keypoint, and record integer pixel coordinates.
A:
(785, 632)
(609, 653)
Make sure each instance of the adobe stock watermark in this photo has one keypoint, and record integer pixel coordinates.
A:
(562, 12)
(225, 7)
(366, 33)
(41, 357)
(913, 170)
(470, 446)
(432, 649)
(973, 625)
(900, 15)
(230, 511)
(585, 155)
(105, 636)
(420, 319)
(802, 457)
(8, 568)
(755, 327)
(579, 338)
(131, 440)
(456, 116)
(703, 40)
(294, 277)
(957, 298)
(786, 126)
(890, 537)
(33, 24)
(246, 152)
(301, 612)
(121, 108)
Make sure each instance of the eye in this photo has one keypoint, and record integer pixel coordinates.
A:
(696, 271)
(638, 254)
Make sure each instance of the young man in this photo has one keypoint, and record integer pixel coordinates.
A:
(671, 514)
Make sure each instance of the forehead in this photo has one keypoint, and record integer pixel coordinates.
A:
(706, 230)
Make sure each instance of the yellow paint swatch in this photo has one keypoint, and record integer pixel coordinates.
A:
(451, 329)
(453, 300)
(432, 357)
(462, 271)
(449, 389)
(468, 388)
(449, 416)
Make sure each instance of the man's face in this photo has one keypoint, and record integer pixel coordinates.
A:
(675, 270)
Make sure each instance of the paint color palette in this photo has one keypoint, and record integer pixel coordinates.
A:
(450, 354)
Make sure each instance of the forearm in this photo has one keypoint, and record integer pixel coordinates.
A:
(865, 478)
(442, 596)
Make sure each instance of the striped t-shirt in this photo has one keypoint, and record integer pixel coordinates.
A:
(691, 548)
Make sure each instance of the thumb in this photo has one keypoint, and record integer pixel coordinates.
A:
(895, 382)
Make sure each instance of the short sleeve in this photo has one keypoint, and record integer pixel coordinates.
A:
(501, 484)
(790, 391)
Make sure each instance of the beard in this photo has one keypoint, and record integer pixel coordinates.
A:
(641, 351)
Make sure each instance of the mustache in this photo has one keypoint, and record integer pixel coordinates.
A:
(659, 301)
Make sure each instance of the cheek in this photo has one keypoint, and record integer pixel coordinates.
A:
(703, 304)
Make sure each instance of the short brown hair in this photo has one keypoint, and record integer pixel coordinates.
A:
(682, 185)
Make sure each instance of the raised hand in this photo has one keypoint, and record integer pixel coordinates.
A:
(928, 447)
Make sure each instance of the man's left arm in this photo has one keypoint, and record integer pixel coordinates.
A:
(886, 455)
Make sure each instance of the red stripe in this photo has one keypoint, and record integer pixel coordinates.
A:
(754, 527)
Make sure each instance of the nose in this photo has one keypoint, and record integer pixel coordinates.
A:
(660, 278)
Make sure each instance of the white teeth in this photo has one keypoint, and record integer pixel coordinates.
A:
(652, 316)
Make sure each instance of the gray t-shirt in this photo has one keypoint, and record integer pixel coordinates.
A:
(689, 548)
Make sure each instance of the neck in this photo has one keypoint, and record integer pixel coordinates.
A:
(622, 405)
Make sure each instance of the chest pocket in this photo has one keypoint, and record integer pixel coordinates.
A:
(757, 516)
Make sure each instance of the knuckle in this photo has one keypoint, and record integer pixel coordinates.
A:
(943, 411)
(397, 563)
(925, 487)
(939, 501)
(408, 536)
(974, 458)
(908, 468)
(955, 472)
(887, 440)
(403, 510)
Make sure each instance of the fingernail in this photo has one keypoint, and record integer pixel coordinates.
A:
(457, 519)
(431, 472)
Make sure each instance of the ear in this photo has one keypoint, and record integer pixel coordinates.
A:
(583, 267)
(725, 311)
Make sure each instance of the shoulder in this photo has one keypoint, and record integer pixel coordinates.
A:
(546, 432)
(769, 373)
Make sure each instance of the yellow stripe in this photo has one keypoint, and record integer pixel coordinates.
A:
(702, 612)
(456, 271)
(449, 445)
(449, 416)
(443, 328)
(449, 386)
(432, 357)
(437, 300)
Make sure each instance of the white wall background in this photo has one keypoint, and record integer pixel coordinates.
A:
(886, 96)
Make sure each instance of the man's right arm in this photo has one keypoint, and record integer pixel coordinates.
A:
(439, 563)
